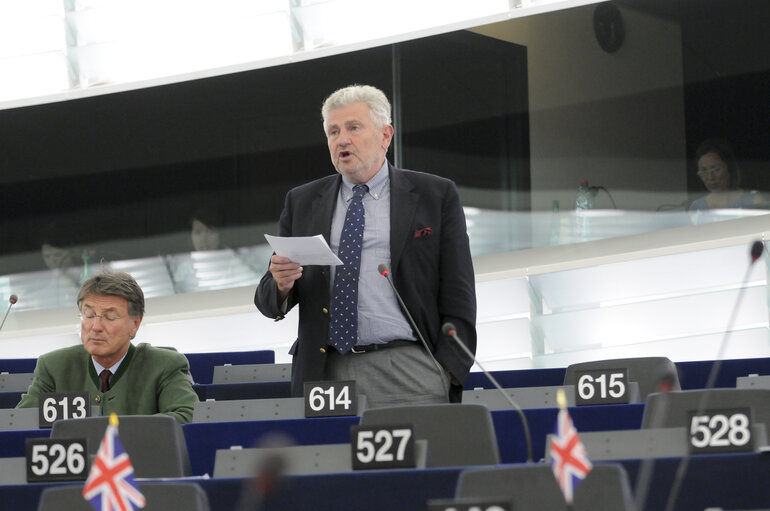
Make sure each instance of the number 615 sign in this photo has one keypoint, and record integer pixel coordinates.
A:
(602, 386)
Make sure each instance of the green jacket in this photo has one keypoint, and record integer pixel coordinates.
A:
(148, 381)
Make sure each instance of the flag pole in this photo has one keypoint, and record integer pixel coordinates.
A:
(561, 401)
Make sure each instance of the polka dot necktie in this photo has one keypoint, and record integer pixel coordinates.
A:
(105, 377)
(344, 315)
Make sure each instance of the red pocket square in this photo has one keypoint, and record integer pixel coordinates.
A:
(419, 233)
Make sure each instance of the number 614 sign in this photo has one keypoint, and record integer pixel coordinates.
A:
(330, 398)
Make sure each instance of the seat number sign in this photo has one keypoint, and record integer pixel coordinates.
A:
(469, 504)
(727, 430)
(56, 459)
(602, 387)
(63, 405)
(390, 446)
(330, 398)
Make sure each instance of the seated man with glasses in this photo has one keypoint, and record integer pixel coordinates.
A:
(121, 377)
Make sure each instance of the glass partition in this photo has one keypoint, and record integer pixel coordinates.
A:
(178, 183)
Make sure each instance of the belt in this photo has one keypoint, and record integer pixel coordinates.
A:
(364, 348)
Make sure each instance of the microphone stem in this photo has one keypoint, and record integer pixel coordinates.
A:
(684, 463)
(525, 425)
(6, 316)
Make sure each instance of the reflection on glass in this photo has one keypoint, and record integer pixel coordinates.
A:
(720, 173)
(515, 112)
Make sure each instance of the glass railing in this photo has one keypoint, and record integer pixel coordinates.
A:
(490, 232)
(517, 102)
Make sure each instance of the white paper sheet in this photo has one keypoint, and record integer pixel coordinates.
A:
(305, 250)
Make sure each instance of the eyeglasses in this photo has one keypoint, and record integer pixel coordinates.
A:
(108, 317)
(716, 169)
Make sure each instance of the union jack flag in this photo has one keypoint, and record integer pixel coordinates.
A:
(570, 462)
(110, 485)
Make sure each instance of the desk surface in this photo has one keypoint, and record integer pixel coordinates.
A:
(734, 481)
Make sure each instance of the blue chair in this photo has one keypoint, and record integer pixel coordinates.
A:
(605, 488)
(159, 497)
(155, 443)
(202, 364)
(457, 434)
(10, 399)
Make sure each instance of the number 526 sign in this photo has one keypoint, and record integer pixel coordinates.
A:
(56, 459)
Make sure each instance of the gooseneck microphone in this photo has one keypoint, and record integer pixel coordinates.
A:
(383, 269)
(756, 251)
(449, 330)
(13, 299)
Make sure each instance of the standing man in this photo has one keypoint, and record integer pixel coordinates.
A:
(350, 324)
(121, 377)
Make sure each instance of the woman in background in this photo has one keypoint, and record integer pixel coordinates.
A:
(718, 169)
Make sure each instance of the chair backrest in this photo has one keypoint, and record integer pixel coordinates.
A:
(457, 434)
(528, 486)
(15, 382)
(10, 399)
(230, 391)
(17, 365)
(534, 487)
(244, 373)
(653, 374)
(671, 409)
(155, 443)
(606, 487)
(202, 364)
(160, 496)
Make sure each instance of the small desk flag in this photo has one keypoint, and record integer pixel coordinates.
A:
(570, 461)
(110, 485)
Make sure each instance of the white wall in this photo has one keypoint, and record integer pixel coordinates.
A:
(615, 119)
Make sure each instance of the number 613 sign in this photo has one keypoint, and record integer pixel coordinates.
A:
(63, 405)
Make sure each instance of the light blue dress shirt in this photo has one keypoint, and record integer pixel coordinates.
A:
(380, 319)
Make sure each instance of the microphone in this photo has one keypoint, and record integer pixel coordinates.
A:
(449, 330)
(268, 478)
(756, 251)
(383, 269)
(13, 299)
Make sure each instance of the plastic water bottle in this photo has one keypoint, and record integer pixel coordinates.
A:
(553, 239)
(584, 200)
